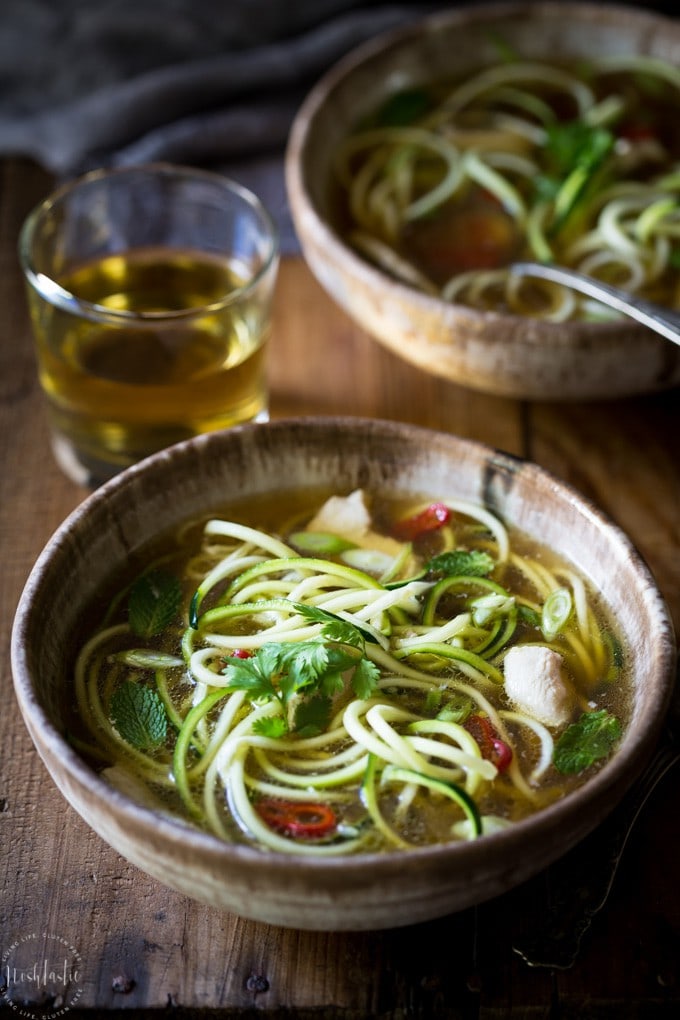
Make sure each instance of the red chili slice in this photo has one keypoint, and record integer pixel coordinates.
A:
(430, 519)
(300, 820)
(241, 653)
(492, 748)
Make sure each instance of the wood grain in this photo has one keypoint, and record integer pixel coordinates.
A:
(145, 948)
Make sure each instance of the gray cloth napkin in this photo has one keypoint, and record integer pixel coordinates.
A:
(212, 83)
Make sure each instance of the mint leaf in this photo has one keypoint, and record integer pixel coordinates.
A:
(153, 602)
(465, 562)
(586, 741)
(139, 715)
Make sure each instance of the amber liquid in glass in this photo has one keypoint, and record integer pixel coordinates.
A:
(120, 391)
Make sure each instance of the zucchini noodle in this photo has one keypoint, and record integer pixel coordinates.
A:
(316, 710)
(577, 165)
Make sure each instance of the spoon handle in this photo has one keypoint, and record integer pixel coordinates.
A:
(646, 312)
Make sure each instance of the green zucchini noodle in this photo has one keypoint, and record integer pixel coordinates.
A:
(577, 165)
(300, 704)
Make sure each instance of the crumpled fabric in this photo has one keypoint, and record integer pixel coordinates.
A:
(211, 83)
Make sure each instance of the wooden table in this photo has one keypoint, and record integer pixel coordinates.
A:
(143, 947)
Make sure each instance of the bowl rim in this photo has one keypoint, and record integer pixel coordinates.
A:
(617, 774)
(326, 237)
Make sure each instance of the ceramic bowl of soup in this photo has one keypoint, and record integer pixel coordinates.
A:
(426, 162)
(340, 673)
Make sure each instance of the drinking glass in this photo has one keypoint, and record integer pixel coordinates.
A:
(150, 292)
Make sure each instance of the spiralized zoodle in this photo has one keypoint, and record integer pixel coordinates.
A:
(299, 703)
(577, 165)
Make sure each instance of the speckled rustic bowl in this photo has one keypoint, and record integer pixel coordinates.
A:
(366, 891)
(502, 354)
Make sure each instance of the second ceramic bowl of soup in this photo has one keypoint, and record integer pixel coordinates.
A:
(490, 349)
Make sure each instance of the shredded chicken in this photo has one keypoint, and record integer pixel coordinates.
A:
(349, 517)
(535, 682)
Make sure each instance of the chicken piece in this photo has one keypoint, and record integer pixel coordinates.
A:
(535, 683)
(349, 517)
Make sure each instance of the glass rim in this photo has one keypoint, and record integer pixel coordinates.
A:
(59, 296)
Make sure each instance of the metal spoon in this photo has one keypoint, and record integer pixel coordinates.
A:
(649, 314)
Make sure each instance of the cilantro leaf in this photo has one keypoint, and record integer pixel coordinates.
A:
(254, 675)
(577, 151)
(312, 715)
(335, 628)
(365, 678)
(303, 676)
(332, 683)
(153, 602)
(466, 562)
(271, 726)
(304, 662)
(139, 715)
(586, 741)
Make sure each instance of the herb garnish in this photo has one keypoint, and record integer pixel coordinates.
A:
(467, 562)
(586, 741)
(577, 150)
(304, 675)
(153, 602)
(139, 715)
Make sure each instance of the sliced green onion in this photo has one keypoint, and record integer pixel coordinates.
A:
(147, 658)
(490, 607)
(370, 561)
(320, 543)
(556, 611)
